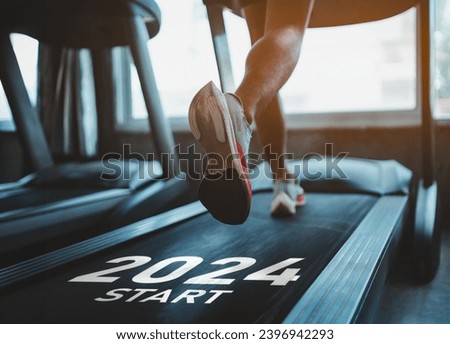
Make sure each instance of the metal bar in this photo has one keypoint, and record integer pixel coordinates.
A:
(427, 129)
(159, 126)
(221, 49)
(105, 99)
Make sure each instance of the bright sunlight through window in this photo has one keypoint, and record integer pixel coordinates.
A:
(364, 67)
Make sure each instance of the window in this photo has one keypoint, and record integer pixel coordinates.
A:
(368, 67)
(364, 67)
(26, 50)
(441, 59)
(182, 56)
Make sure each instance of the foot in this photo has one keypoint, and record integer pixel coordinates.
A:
(218, 123)
(287, 196)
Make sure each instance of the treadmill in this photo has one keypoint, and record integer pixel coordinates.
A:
(327, 264)
(53, 206)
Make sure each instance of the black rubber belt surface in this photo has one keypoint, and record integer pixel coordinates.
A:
(316, 233)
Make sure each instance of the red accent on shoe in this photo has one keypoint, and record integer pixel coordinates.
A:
(244, 168)
(300, 199)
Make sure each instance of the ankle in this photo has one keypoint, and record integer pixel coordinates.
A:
(249, 111)
(284, 175)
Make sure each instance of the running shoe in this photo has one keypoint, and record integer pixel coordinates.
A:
(218, 123)
(287, 196)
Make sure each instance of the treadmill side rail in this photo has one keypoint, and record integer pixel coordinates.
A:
(339, 293)
(32, 267)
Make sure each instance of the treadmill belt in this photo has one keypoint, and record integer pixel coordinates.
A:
(156, 278)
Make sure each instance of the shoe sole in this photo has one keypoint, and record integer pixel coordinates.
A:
(225, 189)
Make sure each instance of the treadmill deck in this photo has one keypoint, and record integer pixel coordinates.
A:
(151, 286)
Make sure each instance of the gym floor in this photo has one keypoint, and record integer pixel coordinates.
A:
(408, 303)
